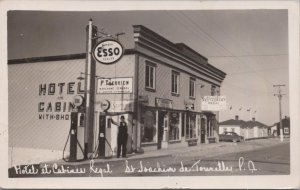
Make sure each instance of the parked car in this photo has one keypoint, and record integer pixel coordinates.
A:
(231, 136)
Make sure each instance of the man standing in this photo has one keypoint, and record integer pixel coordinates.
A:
(122, 136)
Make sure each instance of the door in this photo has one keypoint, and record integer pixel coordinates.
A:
(202, 130)
(160, 134)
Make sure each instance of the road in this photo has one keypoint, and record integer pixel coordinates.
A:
(272, 160)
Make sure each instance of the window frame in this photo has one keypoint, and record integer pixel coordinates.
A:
(194, 88)
(148, 83)
(177, 74)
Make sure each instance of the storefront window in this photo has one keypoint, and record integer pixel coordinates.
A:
(174, 126)
(191, 126)
(148, 126)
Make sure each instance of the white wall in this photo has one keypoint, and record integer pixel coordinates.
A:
(237, 129)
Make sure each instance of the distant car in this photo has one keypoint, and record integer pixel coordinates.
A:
(231, 136)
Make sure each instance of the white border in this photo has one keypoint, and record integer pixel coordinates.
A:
(278, 181)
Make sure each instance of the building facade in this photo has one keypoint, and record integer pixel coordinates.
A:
(157, 86)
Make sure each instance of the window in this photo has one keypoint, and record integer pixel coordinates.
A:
(286, 130)
(175, 83)
(174, 126)
(150, 76)
(213, 90)
(148, 126)
(192, 87)
(190, 126)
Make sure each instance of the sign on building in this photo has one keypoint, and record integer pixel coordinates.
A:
(114, 86)
(213, 103)
(121, 106)
(163, 103)
(108, 51)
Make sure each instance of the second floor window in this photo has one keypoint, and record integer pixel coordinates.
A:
(150, 76)
(213, 90)
(192, 88)
(175, 83)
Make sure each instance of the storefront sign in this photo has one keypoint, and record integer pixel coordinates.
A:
(108, 51)
(57, 101)
(213, 103)
(121, 106)
(163, 103)
(114, 86)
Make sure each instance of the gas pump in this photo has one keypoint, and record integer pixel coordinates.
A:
(77, 120)
(101, 137)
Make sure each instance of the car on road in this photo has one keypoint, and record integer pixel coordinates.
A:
(231, 136)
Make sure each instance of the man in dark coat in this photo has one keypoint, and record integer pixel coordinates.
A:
(122, 136)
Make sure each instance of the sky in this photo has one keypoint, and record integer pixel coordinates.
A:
(251, 46)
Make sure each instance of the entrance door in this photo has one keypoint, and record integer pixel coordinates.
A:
(202, 130)
(161, 116)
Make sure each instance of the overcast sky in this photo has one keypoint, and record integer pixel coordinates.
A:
(251, 46)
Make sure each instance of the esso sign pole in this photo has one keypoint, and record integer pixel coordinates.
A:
(108, 51)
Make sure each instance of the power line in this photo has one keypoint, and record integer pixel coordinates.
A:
(251, 55)
(218, 43)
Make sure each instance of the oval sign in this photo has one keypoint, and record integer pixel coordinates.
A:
(78, 100)
(105, 105)
(108, 51)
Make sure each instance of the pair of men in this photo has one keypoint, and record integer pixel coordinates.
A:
(122, 136)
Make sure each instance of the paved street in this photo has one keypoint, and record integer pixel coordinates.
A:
(258, 157)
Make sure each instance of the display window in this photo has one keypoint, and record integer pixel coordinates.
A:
(148, 126)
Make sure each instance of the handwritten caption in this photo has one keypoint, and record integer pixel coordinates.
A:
(129, 168)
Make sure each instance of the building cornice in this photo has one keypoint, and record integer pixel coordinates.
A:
(153, 41)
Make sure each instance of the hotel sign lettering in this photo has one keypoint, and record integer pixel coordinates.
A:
(163, 103)
(213, 103)
(114, 86)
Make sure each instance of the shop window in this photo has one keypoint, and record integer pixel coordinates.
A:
(150, 76)
(174, 126)
(175, 83)
(210, 127)
(148, 126)
(192, 88)
(191, 126)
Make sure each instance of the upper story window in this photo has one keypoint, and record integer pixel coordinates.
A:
(213, 90)
(150, 76)
(175, 83)
(192, 88)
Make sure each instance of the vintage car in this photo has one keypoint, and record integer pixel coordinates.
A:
(231, 136)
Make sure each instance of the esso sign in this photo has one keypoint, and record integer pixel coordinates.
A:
(108, 51)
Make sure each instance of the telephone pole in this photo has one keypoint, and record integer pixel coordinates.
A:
(279, 95)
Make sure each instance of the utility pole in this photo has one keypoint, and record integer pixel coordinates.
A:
(279, 95)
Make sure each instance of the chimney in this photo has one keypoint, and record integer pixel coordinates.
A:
(236, 117)
(253, 118)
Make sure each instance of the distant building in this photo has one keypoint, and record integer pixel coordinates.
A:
(285, 127)
(247, 129)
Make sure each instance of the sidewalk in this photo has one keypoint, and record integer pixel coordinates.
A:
(201, 150)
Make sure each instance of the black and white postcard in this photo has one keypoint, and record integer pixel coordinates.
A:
(150, 94)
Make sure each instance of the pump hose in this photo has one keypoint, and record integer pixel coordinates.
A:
(96, 149)
(63, 157)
